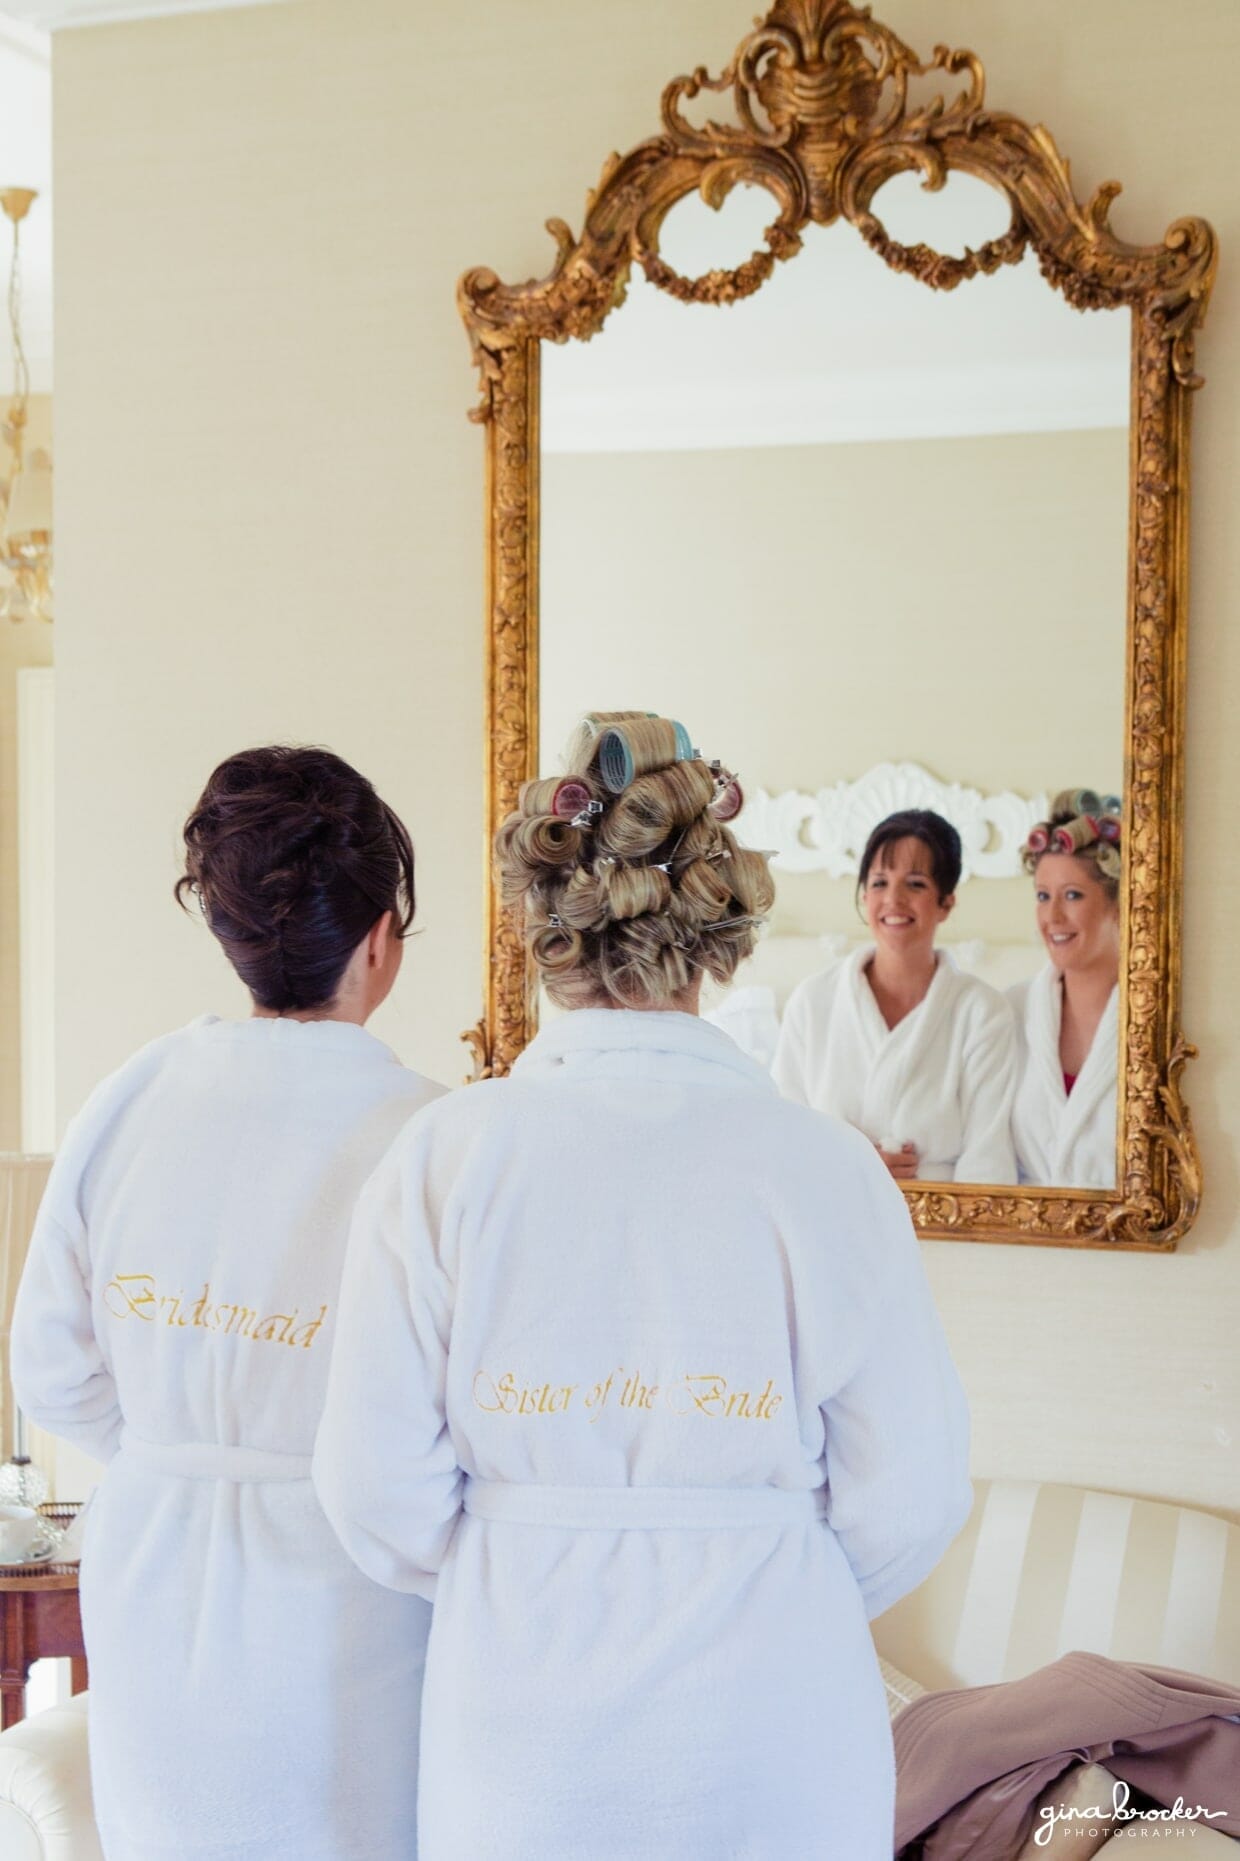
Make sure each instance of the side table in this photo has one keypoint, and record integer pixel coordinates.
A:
(39, 1619)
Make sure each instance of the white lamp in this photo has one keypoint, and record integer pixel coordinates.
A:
(22, 1182)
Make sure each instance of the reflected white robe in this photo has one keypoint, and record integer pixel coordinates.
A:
(1064, 1139)
(252, 1696)
(943, 1078)
(669, 1341)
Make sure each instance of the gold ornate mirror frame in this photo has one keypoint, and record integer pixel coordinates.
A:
(821, 93)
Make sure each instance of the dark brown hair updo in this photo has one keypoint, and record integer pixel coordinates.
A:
(628, 900)
(294, 858)
(938, 836)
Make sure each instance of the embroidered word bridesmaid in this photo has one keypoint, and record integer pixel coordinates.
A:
(1064, 1120)
(919, 1056)
(638, 1365)
(252, 1696)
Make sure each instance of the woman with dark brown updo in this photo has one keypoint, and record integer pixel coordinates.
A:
(1064, 1118)
(253, 1698)
(637, 1361)
(915, 1053)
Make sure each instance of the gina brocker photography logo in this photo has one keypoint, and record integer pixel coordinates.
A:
(1181, 1819)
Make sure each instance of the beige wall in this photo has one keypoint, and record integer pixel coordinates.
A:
(810, 611)
(29, 644)
(269, 524)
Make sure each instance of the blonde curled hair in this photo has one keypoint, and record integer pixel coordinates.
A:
(629, 902)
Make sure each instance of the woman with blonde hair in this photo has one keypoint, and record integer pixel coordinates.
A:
(639, 1375)
(1064, 1117)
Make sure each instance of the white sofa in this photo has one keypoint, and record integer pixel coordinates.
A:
(1037, 1571)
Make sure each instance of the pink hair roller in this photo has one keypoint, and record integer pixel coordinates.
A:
(570, 798)
(729, 801)
(1081, 832)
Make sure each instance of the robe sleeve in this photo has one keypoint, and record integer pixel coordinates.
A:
(789, 1068)
(385, 1467)
(989, 1071)
(61, 1378)
(897, 1430)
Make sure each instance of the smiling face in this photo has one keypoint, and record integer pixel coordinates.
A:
(902, 904)
(1078, 922)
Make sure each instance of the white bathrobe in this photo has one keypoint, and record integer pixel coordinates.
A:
(1064, 1139)
(642, 1362)
(253, 1698)
(943, 1078)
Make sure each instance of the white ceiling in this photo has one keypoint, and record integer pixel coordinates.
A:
(55, 15)
(836, 346)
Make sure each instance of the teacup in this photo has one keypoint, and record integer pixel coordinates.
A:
(19, 1533)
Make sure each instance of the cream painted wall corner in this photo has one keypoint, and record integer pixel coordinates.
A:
(269, 524)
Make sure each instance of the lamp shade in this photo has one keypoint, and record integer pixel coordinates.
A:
(22, 1182)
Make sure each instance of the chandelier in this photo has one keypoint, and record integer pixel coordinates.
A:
(26, 496)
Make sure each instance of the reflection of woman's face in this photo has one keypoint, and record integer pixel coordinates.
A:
(902, 904)
(1078, 922)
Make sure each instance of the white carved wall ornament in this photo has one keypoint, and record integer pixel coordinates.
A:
(827, 832)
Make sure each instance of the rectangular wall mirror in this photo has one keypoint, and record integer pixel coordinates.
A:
(873, 471)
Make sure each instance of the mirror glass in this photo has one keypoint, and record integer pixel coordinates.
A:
(868, 541)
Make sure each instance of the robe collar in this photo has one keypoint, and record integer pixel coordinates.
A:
(281, 1034)
(919, 1021)
(606, 1040)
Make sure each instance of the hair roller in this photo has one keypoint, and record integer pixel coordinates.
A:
(1110, 829)
(703, 838)
(1039, 838)
(704, 891)
(554, 947)
(750, 877)
(1112, 804)
(1076, 801)
(633, 891)
(545, 841)
(626, 751)
(561, 796)
(653, 808)
(1073, 835)
(583, 743)
(729, 800)
(583, 903)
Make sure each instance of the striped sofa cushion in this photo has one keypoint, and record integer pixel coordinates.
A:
(1039, 1570)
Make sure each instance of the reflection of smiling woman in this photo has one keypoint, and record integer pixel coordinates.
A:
(895, 1039)
(1064, 1119)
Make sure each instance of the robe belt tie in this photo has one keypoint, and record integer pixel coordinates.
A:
(208, 1460)
(644, 1508)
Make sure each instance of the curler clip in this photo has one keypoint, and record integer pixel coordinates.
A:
(587, 815)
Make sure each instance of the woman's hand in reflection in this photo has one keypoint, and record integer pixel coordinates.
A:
(902, 1162)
